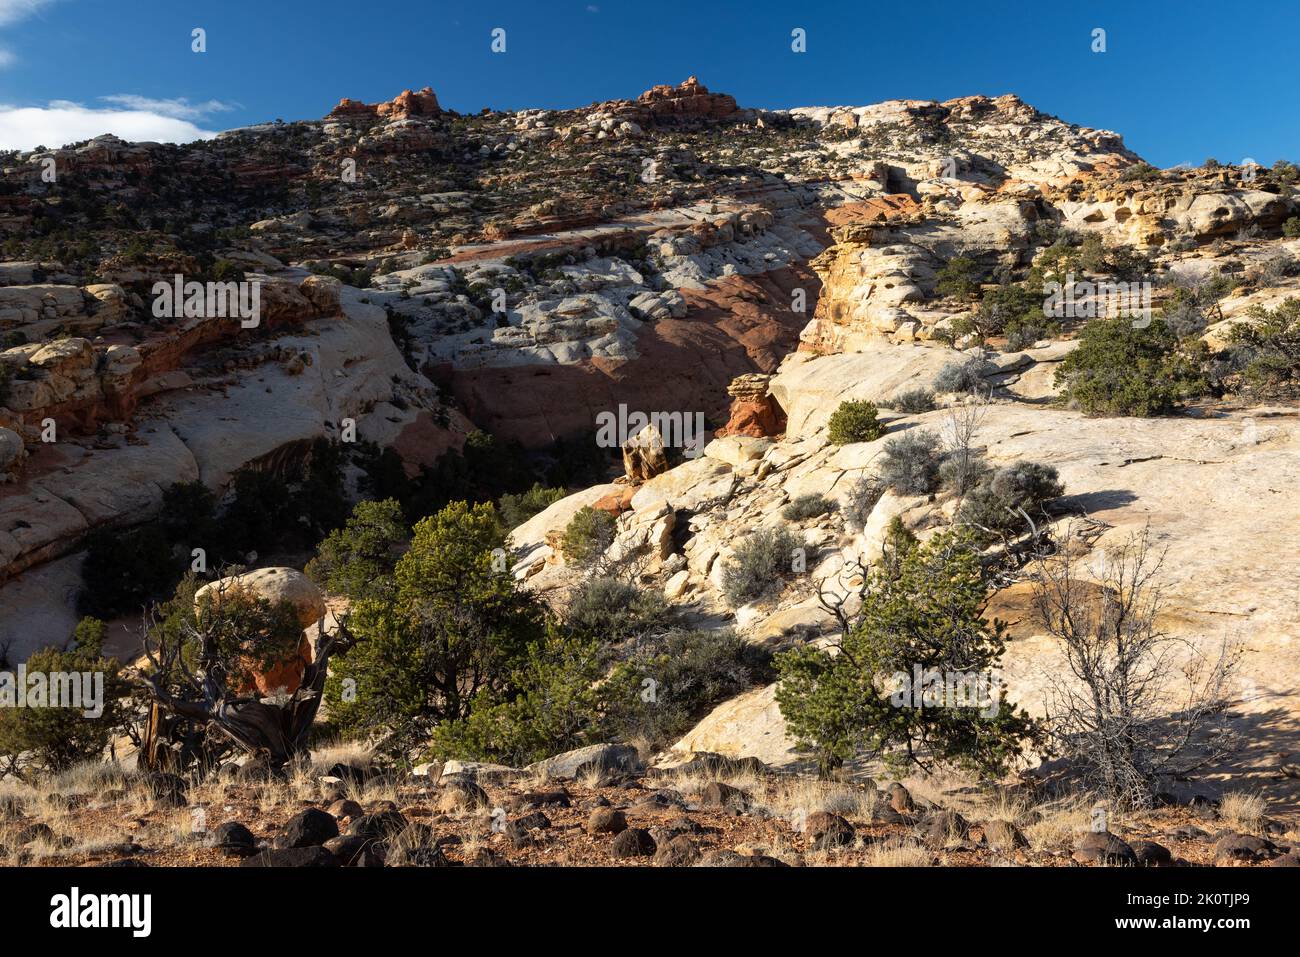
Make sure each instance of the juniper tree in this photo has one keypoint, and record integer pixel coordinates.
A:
(922, 612)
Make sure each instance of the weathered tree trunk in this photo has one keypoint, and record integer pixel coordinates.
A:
(274, 728)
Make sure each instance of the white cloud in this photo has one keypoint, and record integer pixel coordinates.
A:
(63, 122)
(179, 107)
(12, 11)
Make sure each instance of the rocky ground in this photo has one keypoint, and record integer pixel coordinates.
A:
(600, 807)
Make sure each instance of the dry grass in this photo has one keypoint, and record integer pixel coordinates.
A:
(1244, 812)
(538, 779)
(1007, 805)
(691, 783)
(1059, 824)
(899, 853)
(357, 753)
(805, 796)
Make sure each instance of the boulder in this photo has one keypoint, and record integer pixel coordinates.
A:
(459, 794)
(679, 851)
(606, 820)
(900, 799)
(344, 808)
(1102, 847)
(12, 451)
(632, 842)
(311, 856)
(755, 413)
(644, 456)
(1243, 847)
(379, 826)
(274, 585)
(1151, 854)
(1004, 836)
(825, 830)
(937, 830)
(233, 839)
(355, 851)
(604, 757)
(718, 794)
(307, 828)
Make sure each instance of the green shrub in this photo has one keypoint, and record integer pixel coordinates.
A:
(614, 611)
(854, 421)
(451, 629)
(260, 514)
(517, 509)
(964, 375)
(1004, 307)
(761, 565)
(669, 684)
(556, 705)
(1140, 172)
(994, 506)
(910, 463)
(961, 470)
(249, 632)
(589, 533)
(358, 559)
(1291, 228)
(922, 612)
(807, 506)
(1023, 335)
(1192, 305)
(1121, 370)
(959, 278)
(1271, 350)
(912, 401)
(48, 739)
(567, 695)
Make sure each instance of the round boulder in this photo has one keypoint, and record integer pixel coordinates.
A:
(275, 585)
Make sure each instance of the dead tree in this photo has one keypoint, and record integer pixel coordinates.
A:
(189, 684)
(1136, 706)
(964, 459)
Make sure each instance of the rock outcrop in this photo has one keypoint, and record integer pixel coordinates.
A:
(689, 100)
(755, 412)
(408, 103)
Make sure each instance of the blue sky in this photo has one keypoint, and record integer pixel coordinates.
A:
(1180, 81)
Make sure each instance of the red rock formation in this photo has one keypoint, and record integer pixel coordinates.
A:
(877, 209)
(616, 503)
(736, 325)
(754, 412)
(281, 676)
(421, 103)
(407, 103)
(691, 99)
